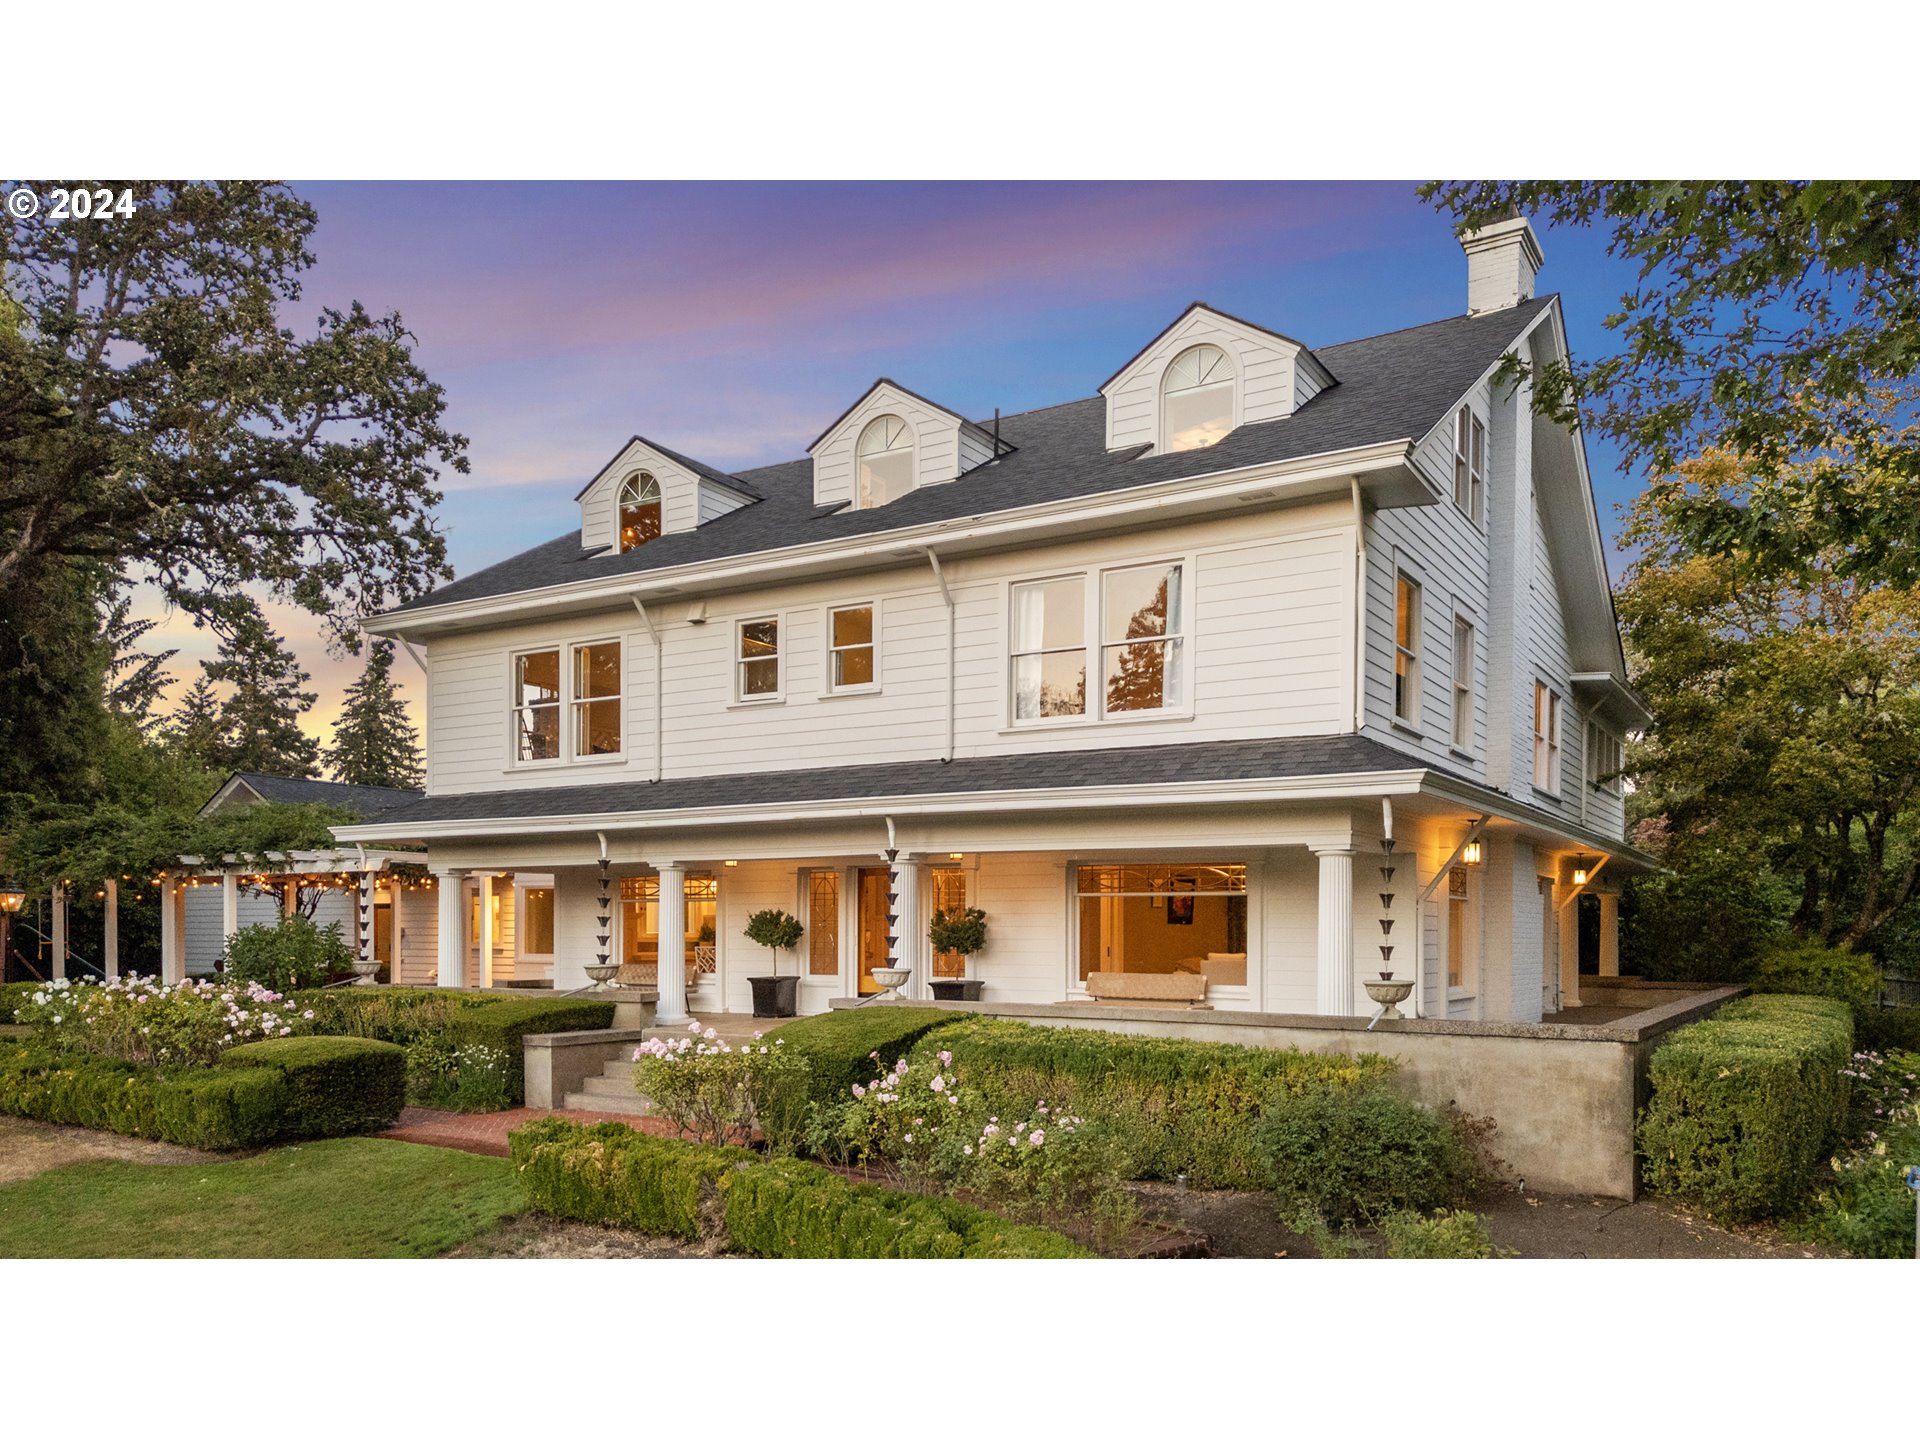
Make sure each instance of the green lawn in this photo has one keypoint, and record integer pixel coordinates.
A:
(346, 1199)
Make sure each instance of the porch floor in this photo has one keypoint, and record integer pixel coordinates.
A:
(1592, 1015)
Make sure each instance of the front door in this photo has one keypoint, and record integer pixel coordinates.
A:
(873, 927)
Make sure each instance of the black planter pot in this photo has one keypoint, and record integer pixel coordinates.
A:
(775, 996)
(956, 989)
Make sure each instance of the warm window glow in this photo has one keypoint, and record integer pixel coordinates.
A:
(850, 638)
(1049, 649)
(1462, 684)
(596, 699)
(1469, 463)
(536, 705)
(1164, 920)
(1406, 650)
(536, 920)
(1140, 637)
(884, 460)
(949, 894)
(640, 922)
(639, 511)
(1546, 738)
(759, 659)
(823, 922)
(1196, 399)
(1457, 918)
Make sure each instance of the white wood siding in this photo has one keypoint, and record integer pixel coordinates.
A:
(686, 501)
(1268, 377)
(937, 447)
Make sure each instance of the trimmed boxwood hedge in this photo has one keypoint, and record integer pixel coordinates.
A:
(1179, 1107)
(839, 1045)
(335, 1084)
(510, 1021)
(1747, 1104)
(610, 1174)
(207, 1109)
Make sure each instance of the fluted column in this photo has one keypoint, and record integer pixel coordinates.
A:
(449, 943)
(1335, 952)
(671, 968)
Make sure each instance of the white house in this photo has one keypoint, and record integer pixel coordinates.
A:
(1146, 677)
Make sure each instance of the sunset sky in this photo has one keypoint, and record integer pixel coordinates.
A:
(733, 321)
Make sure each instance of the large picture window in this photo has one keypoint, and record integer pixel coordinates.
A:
(536, 705)
(1140, 637)
(596, 699)
(1154, 919)
(1049, 649)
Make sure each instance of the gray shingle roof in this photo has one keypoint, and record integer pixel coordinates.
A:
(1390, 387)
(366, 801)
(1287, 758)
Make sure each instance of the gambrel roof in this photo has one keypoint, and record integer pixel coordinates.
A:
(1390, 387)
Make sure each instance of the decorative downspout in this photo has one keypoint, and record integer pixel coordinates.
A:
(1387, 992)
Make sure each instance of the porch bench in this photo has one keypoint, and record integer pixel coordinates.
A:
(1178, 988)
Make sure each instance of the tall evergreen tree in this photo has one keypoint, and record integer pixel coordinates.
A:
(193, 729)
(373, 741)
(260, 721)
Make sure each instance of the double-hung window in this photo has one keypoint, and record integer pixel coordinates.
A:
(1140, 639)
(850, 648)
(536, 706)
(1546, 738)
(596, 699)
(1406, 650)
(1469, 463)
(1050, 649)
(757, 659)
(1462, 684)
(1604, 760)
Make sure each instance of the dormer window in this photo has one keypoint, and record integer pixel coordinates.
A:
(1196, 398)
(639, 511)
(884, 458)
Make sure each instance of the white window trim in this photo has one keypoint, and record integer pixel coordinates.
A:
(1236, 416)
(573, 702)
(1469, 966)
(829, 690)
(803, 901)
(779, 694)
(1411, 724)
(882, 412)
(1468, 663)
(1551, 736)
(520, 889)
(1611, 786)
(1473, 505)
(1093, 648)
(514, 657)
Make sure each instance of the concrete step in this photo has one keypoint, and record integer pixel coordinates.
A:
(627, 1103)
(621, 1070)
(608, 1085)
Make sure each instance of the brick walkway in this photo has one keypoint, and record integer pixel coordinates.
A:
(487, 1134)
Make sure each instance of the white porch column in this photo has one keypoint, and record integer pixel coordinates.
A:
(173, 962)
(1336, 931)
(1609, 933)
(671, 966)
(59, 971)
(1569, 909)
(110, 945)
(290, 897)
(914, 952)
(485, 946)
(229, 908)
(449, 942)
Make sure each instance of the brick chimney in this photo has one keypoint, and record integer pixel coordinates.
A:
(1502, 259)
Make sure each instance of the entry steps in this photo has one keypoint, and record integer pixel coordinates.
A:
(611, 1091)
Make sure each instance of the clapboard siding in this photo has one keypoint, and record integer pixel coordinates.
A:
(1269, 635)
(204, 942)
(686, 500)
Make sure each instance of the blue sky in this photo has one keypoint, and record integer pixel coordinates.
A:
(732, 321)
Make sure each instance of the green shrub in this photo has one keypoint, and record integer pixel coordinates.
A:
(1359, 1152)
(396, 1014)
(1806, 967)
(208, 1109)
(1446, 1235)
(11, 998)
(717, 1093)
(1888, 1027)
(841, 1047)
(610, 1174)
(1867, 1208)
(288, 956)
(336, 1084)
(1747, 1104)
(508, 1023)
(1174, 1107)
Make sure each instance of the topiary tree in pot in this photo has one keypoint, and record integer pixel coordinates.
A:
(775, 994)
(962, 931)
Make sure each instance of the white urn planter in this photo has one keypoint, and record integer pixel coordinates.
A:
(366, 970)
(890, 978)
(602, 975)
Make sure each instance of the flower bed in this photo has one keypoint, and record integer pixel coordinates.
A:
(837, 1045)
(146, 1022)
(734, 1200)
(719, 1094)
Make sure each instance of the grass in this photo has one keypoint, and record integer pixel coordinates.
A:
(330, 1199)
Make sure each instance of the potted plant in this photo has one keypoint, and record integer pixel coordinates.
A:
(962, 932)
(775, 994)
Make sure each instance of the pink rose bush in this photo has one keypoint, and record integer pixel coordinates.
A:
(140, 1019)
(722, 1094)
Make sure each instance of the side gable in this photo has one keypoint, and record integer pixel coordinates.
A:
(1274, 375)
(946, 445)
(690, 493)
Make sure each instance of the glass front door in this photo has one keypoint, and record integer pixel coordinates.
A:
(873, 927)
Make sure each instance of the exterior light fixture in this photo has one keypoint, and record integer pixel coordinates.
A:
(1470, 853)
(12, 897)
(956, 855)
(1581, 869)
(733, 864)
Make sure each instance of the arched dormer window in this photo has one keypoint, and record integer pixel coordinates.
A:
(884, 458)
(639, 511)
(1196, 399)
